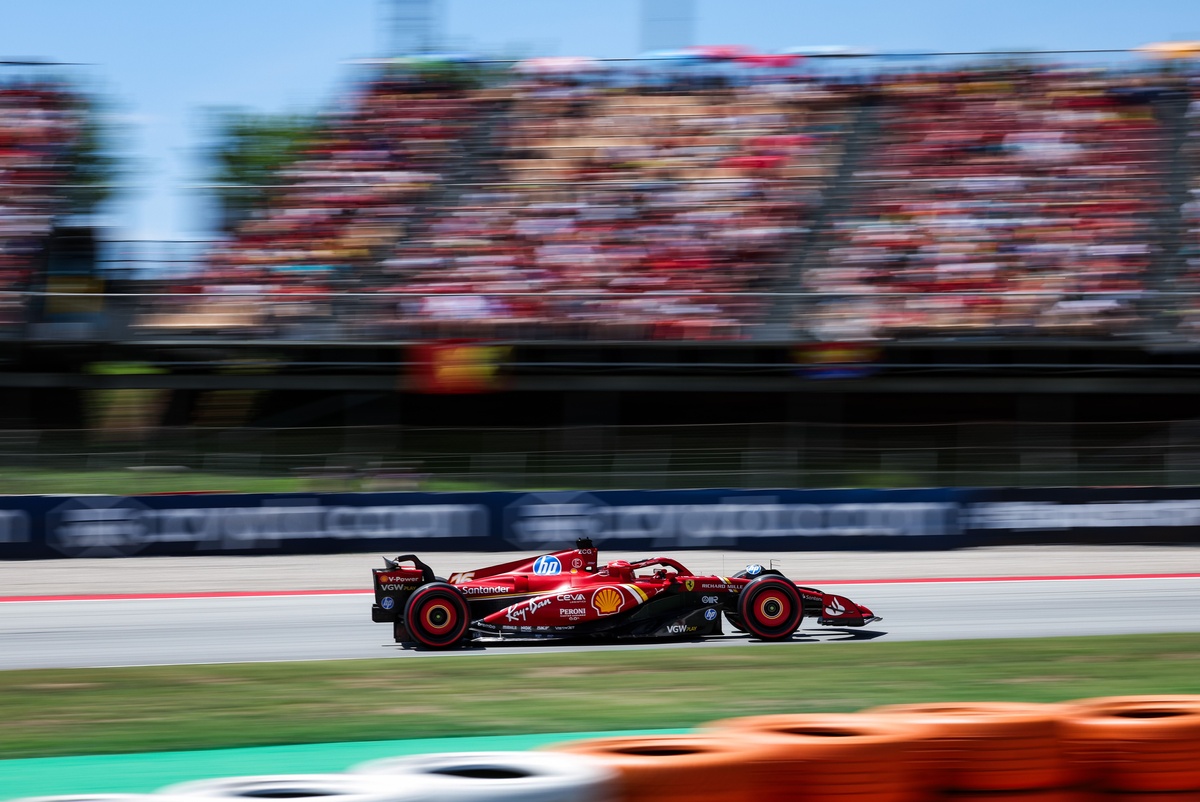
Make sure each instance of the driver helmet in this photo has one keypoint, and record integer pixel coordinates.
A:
(616, 568)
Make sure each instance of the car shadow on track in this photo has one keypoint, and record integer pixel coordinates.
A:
(811, 636)
(843, 634)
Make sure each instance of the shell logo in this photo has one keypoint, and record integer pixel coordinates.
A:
(608, 600)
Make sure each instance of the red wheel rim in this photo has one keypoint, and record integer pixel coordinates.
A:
(771, 610)
(773, 605)
(436, 617)
(439, 618)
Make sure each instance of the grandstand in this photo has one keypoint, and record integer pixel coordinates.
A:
(41, 127)
(1002, 241)
(990, 201)
(999, 202)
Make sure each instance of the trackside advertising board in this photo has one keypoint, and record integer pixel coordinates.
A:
(40, 527)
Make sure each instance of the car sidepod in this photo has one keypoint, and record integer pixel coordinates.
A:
(678, 612)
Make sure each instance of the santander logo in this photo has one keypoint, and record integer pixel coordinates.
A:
(834, 608)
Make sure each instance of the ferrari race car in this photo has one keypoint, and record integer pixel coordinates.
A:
(568, 594)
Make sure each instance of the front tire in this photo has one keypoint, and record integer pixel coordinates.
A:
(770, 608)
(437, 616)
(733, 618)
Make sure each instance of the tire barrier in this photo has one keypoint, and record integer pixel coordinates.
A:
(1109, 749)
(676, 768)
(1054, 795)
(1147, 796)
(985, 746)
(300, 787)
(811, 755)
(1135, 743)
(499, 777)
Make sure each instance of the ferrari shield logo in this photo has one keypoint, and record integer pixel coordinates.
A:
(689, 584)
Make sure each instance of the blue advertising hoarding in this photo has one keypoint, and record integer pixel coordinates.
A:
(41, 527)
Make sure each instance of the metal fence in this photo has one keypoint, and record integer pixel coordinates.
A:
(605, 457)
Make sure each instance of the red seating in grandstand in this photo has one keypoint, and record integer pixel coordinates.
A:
(633, 211)
(998, 201)
(40, 124)
(336, 212)
(989, 201)
(1186, 310)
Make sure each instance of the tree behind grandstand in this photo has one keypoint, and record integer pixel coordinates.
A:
(248, 152)
(94, 164)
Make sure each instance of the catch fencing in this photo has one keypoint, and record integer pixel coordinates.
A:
(796, 455)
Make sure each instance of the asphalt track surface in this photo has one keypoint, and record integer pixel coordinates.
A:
(1009, 594)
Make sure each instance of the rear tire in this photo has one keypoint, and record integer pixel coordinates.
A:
(437, 616)
(770, 608)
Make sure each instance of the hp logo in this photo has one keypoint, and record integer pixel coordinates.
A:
(547, 565)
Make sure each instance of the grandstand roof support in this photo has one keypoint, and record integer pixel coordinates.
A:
(668, 24)
(413, 26)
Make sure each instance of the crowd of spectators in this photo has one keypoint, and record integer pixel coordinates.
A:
(1186, 304)
(40, 126)
(989, 201)
(633, 212)
(998, 202)
(334, 214)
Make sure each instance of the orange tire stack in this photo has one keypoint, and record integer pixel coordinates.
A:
(1136, 744)
(677, 768)
(972, 750)
(826, 757)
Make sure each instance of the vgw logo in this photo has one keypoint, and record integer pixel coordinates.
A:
(547, 565)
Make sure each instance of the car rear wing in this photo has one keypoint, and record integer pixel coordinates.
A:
(394, 583)
(393, 565)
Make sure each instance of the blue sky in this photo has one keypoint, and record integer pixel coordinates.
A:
(164, 62)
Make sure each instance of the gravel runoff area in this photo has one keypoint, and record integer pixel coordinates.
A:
(352, 571)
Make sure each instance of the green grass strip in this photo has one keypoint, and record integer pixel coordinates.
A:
(130, 482)
(95, 711)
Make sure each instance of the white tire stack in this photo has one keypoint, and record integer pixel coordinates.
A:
(296, 787)
(452, 777)
(496, 777)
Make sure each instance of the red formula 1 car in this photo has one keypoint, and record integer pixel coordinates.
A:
(567, 594)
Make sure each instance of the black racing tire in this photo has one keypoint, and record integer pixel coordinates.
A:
(733, 618)
(437, 616)
(770, 608)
